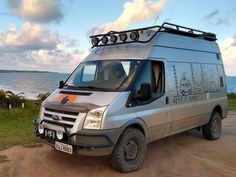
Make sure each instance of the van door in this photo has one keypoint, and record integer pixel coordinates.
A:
(155, 111)
(187, 95)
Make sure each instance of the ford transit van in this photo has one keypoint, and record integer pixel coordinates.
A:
(137, 86)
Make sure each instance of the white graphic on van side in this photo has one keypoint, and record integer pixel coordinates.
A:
(185, 87)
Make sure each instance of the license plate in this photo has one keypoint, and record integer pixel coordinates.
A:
(63, 147)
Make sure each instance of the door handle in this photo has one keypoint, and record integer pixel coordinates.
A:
(167, 100)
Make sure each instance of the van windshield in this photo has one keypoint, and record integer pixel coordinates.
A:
(105, 75)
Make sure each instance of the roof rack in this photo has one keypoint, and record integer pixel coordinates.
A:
(145, 35)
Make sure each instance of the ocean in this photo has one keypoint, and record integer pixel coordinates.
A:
(32, 84)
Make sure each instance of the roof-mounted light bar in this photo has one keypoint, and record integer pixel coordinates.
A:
(145, 35)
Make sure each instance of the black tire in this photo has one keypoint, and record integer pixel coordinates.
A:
(212, 130)
(130, 151)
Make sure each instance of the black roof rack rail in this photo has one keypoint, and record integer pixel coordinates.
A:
(121, 37)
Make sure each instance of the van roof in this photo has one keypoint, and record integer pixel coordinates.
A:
(145, 35)
(154, 43)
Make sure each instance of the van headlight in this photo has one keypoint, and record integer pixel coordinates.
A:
(94, 117)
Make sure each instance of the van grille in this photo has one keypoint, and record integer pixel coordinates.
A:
(66, 117)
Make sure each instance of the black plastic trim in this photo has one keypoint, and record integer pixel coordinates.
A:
(76, 93)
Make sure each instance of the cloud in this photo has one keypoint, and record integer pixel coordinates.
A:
(215, 18)
(35, 47)
(133, 12)
(56, 60)
(37, 10)
(31, 37)
(222, 21)
(228, 51)
(211, 15)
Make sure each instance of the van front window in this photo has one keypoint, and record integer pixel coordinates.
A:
(105, 75)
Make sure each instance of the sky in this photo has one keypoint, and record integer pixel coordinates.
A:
(53, 35)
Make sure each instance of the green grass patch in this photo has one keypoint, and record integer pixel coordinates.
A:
(3, 159)
(16, 126)
(232, 102)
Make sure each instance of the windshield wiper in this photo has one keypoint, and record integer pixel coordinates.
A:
(93, 87)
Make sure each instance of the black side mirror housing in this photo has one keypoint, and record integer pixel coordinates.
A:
(61, 84)
(144, 93)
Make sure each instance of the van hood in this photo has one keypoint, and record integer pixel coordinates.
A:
(78, 101)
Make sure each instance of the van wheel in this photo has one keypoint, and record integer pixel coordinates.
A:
(212, 130)
(130, 151)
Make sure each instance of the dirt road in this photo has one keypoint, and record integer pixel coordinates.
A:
(183, 155)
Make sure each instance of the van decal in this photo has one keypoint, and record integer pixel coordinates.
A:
(63, 99)
(185, 86)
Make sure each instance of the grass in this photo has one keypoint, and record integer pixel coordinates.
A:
(16, 126)
(232, 101)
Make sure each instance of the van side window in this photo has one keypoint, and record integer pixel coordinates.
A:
(153, 74)
(144, 77)
(158, 81)
(221, 81)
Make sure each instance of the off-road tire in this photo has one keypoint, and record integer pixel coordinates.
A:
(130, 151)
(212, 130)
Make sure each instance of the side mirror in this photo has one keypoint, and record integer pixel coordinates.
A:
(144, 93)
(61, 84)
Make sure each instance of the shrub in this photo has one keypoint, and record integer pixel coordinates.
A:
(8, 97)
(232, 95)
(41, 97)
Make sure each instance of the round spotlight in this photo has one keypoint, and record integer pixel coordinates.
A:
(95, 41)
(104, 40)
(123, 37)
(134, 35)
(113, 38)
(41, 129)
(59, 134)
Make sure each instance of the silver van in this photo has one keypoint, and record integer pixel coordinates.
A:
(135, 87)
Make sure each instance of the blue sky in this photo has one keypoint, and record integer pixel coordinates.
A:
(53, 35)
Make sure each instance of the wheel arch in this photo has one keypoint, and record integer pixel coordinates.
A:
(139, 124)
(217, 109)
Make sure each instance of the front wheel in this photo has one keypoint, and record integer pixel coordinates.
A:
(130, 151)
(212, 130)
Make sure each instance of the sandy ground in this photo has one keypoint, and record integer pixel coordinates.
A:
(186, 154)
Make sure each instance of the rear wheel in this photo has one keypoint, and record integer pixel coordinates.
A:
(130, 151)
(212, 130)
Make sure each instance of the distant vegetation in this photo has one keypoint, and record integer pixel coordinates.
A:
(15, 100)
(232, 101)
(22, 71)
(9, 98)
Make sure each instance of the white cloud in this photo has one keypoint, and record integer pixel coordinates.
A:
(136, 11)
(35, 47)
(228, 50)
(37, 10)
(31, 36)
(11, 27)
(58, 61)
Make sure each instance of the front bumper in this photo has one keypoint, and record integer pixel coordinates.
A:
(86, 142)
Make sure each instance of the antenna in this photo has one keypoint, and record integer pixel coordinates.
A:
(153, 24)
(156, 20)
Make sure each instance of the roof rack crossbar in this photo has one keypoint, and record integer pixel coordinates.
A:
(165, 27)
